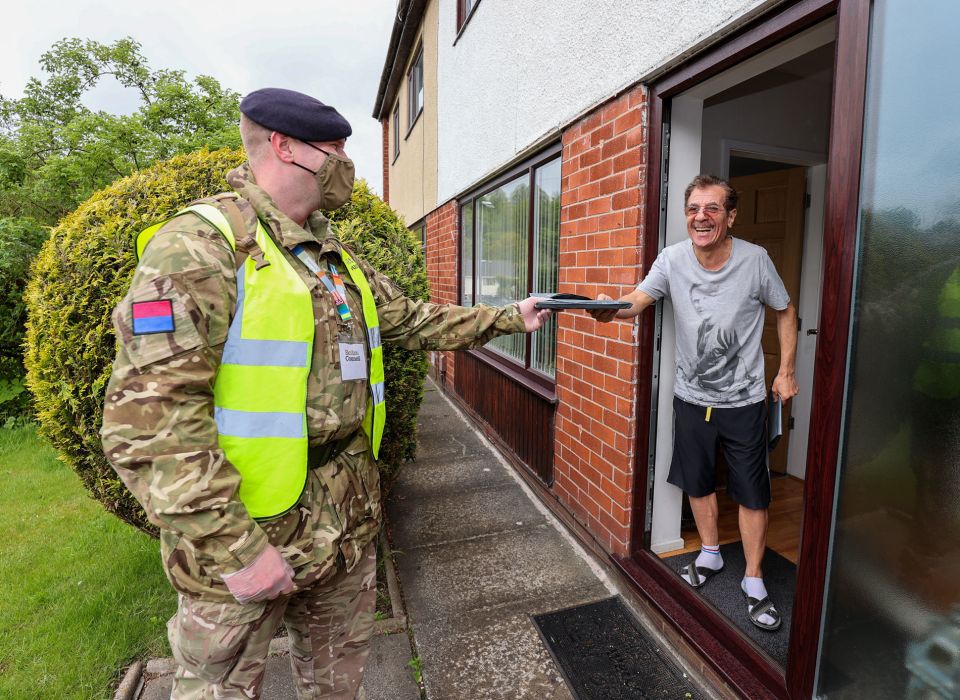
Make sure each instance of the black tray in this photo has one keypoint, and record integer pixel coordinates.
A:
(576, 301)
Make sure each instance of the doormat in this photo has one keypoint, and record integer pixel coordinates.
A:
(723, 592)
(604, 654)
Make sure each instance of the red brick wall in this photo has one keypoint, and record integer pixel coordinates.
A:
(601, 233)
(442, 254)
(385, 123)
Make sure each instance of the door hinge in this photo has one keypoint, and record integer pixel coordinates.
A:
(790, 423)
(807, 200)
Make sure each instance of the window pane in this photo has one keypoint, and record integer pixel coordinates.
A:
(396, 129)
(895, 562)
(546, 250)
(415, 87)
(502, 219)
(466, 255)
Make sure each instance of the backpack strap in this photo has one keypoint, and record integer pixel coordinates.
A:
(246, 242)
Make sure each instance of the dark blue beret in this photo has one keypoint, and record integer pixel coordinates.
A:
(295, 114)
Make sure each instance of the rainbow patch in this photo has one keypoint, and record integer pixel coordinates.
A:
(152, 316)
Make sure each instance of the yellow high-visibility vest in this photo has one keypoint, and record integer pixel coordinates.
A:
(938, 375)
(260, 393)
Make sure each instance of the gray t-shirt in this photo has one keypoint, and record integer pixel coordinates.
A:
(719, 319)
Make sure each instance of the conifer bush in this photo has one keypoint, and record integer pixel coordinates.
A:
(85, 267)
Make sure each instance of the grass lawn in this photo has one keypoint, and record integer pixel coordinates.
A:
(83, 593)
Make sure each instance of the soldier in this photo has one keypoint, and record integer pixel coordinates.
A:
(246, 407)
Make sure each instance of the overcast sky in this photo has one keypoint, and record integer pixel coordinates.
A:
(330, 49)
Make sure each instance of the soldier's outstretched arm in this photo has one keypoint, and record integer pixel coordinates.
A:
(422, 325)
(158, 429)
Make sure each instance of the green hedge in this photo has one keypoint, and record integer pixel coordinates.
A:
(20, 239)
(83, 271)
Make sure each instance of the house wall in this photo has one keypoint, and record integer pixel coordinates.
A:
(441, 252)
(385, 140)
(498, 103)
(601, 236)
(413, 175)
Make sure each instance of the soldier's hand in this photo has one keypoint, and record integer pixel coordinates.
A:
(603, 315)
(265, 578)
(533, 318)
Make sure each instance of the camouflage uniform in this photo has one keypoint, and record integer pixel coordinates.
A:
(160, 436)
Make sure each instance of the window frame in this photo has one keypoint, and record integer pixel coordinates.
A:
(420, 230)
(464, 16)
(395, 123)
(522, 372)
(411, 99)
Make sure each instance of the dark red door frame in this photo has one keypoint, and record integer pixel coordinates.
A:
(743, 665)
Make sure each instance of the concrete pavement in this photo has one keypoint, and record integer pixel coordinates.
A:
(476, 555)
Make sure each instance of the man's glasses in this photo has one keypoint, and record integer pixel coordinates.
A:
(709, 209)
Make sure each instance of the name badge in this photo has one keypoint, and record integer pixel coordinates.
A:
(353, 361)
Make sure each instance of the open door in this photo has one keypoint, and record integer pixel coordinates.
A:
(771, 214)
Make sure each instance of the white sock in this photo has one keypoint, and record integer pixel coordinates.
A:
(753, 587)
(710, 557)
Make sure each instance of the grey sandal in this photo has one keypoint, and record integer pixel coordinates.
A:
(698, 575)
(756, 608)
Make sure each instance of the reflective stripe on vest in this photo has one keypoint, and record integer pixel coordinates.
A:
(260, 392)
(938, 375)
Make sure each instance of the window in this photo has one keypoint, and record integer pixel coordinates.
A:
(396, 130)
(415, 88)
(509, 238)
(464, 10)
(420, 231)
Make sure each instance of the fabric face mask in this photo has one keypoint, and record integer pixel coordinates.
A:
(334, 178)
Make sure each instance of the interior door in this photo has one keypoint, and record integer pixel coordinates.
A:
(771, 214)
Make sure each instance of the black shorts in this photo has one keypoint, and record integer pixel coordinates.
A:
(742, 434)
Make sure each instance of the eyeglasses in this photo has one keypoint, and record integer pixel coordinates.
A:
(709, 209)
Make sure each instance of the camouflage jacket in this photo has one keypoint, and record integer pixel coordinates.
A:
(159, 432)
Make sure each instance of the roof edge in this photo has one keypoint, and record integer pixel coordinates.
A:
(405, 26)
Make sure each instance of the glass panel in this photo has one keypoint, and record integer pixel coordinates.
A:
(895, 570)
(546, 250)
(466, 255)
(396, 129)
(502, 256)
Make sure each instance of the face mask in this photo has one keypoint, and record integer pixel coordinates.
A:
(334, 178)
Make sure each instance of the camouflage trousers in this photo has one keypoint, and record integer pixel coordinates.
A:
(221, 648)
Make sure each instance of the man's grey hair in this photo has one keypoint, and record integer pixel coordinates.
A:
(704, 180)
(255, 138)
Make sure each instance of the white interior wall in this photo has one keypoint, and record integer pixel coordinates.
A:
(519, 72)
(794, 116)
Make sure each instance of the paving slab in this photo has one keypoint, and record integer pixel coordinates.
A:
(449, 446)
(505, 659)
(489, 571)
(445, 474)
(386, 677)
(430, 519)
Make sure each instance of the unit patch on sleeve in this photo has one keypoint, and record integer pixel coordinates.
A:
(152, 316)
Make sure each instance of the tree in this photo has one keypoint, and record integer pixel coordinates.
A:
(55, 152)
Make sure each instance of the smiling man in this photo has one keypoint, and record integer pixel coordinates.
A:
(719, 286)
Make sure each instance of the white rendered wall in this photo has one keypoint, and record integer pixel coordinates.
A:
(522, 69)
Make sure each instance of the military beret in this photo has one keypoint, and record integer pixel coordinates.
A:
(295, 114)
